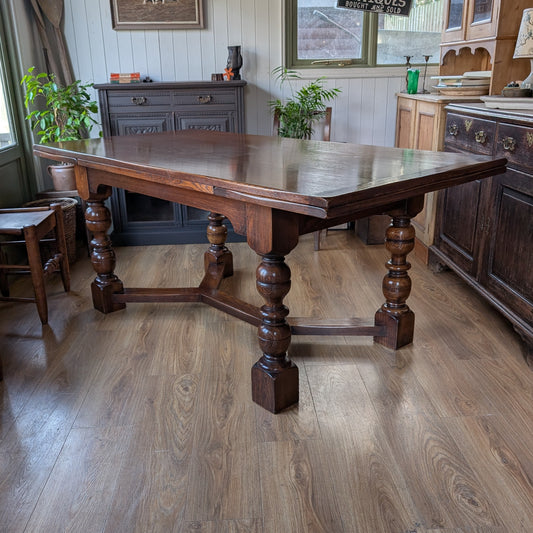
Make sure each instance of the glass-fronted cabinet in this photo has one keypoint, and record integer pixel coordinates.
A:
(481, 35)
(469, 19)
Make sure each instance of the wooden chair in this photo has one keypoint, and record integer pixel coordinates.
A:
(326, 135)
(31, 226)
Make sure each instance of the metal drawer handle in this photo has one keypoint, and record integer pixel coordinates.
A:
(453, 129)
(138, 100)
(481, 137)
(204, 99)
(509, 144)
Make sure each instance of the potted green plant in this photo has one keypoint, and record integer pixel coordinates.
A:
(298, 115)
(65, 114)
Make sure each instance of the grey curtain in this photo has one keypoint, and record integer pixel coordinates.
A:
(48, 15)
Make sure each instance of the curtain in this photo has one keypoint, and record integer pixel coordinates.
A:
(48, 15)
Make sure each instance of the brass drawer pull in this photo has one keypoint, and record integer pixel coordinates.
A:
(509, 144)
(204, 99)
(481, 137)
(138, 100)
(453, 129)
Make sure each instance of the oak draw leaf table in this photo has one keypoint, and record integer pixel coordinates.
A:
(272, 190)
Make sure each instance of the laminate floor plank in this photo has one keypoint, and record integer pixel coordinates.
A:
(444, 487)
(152, 484)
(142, 420)
(502, 464)
(464, 530)
(78, 492)
(224, 526)
(368, 480)
(297, 488)
(29, 452)
(339, 391)
(509, 384)
(117, 390)
(449, 383)
(224, 469)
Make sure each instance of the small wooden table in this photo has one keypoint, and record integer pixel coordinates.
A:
(272, 190)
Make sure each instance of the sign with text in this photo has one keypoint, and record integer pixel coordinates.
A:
(389, 7)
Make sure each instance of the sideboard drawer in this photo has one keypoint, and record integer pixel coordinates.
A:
(516, 144)
(469, 133)
(129, 100)
(203, 97)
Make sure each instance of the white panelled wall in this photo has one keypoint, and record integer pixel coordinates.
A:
(363, 113)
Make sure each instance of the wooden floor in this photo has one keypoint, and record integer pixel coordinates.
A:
(141, 421)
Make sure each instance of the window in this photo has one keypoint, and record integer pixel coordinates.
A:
(319, 34)
(6, 130)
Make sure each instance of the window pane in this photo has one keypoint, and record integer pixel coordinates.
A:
(6, 131)
(455, 16)
(328, 32)
(417, 36)
(482, 10)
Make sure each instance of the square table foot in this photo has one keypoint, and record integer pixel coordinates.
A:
(223, 261)
(399, 328)
(103, 296)
(275, 391)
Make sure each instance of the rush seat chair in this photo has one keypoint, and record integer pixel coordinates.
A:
(41, 230)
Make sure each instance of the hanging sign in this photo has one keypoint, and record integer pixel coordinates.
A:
(389, 7)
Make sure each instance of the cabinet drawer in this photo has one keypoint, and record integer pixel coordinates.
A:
(471, 134)
(203, 97)
(130, 100)
(516, 144)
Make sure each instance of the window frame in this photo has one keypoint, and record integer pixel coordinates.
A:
(369, 45)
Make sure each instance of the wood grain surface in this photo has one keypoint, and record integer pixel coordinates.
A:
(141, 420)
(267, 170)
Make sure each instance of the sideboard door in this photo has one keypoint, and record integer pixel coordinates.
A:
(507, 271)
(458, 224)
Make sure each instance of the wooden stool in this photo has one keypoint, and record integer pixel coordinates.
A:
(32, 224)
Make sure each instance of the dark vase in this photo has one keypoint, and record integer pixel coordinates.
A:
(235, 61)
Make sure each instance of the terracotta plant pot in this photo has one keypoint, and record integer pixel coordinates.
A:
(63, 177)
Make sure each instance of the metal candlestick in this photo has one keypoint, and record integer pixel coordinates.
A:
(408, 66)
(426, 58)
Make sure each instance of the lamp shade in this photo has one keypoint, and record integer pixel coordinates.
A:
(524, 41)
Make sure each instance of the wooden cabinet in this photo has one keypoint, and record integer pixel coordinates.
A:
(481, 35)
(484, 229)
(142, 108)
(466, 20)
(420, 121)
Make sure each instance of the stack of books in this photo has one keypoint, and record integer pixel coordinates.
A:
(129, 77)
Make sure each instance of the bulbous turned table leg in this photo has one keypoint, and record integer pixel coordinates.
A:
(274, 376)
(394, 314)
(218, 260)
(98, 221)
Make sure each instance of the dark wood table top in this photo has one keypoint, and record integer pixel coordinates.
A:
(312, 177)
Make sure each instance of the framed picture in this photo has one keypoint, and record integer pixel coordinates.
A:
(157, 14)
